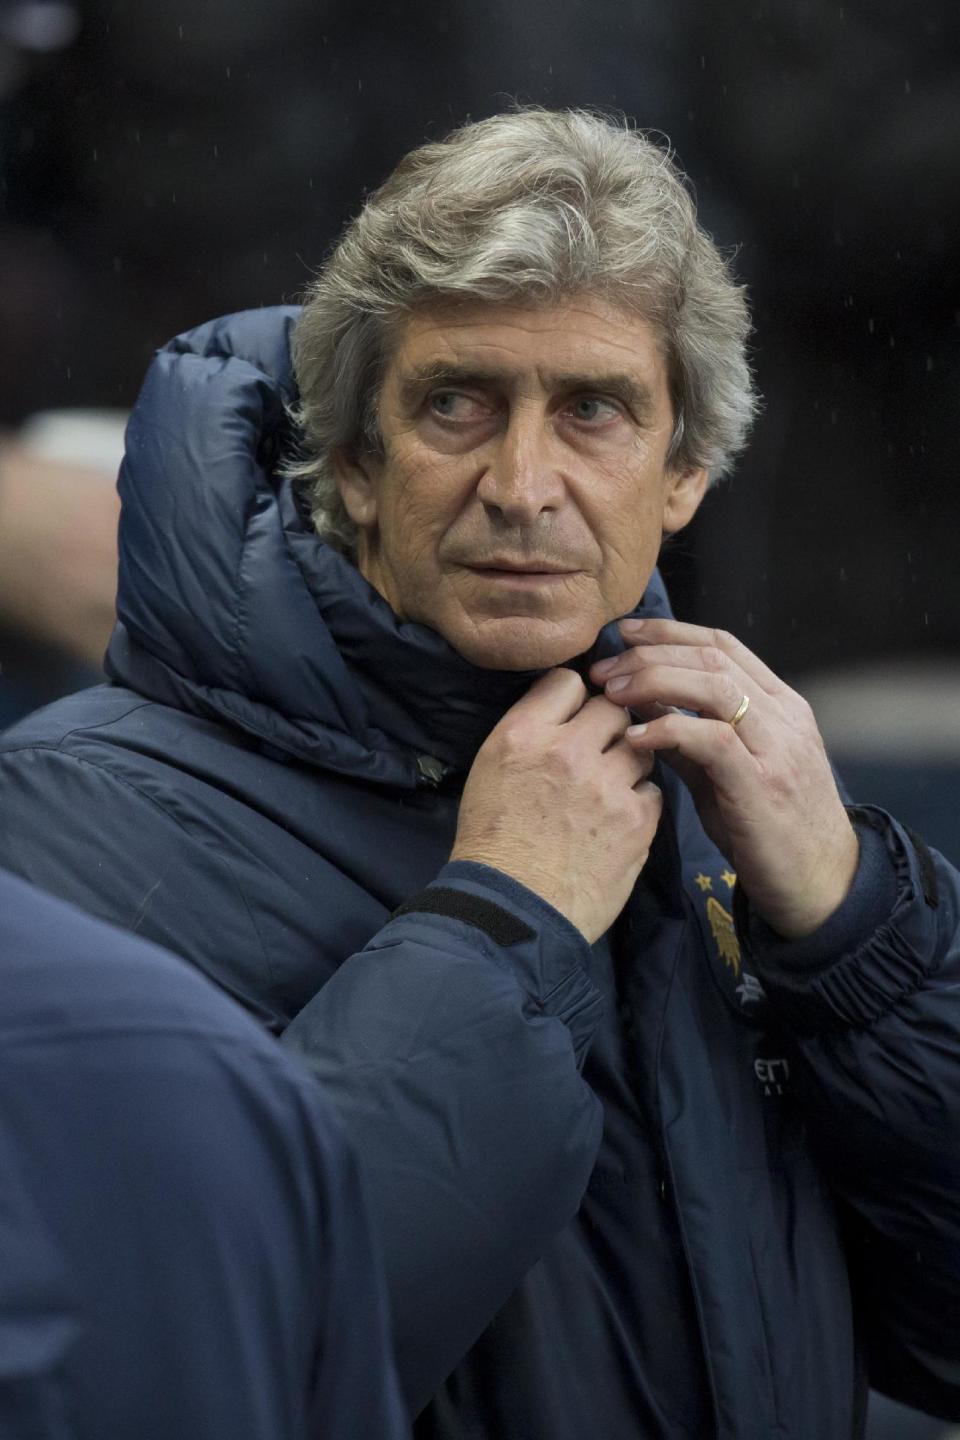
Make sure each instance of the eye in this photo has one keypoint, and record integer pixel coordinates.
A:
(455, 405)
(593, 409)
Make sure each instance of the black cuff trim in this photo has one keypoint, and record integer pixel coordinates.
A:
(928, 871)
(501, 927)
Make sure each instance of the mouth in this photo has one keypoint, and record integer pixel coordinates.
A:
(517, 569)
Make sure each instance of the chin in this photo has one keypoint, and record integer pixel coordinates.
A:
(523, 644)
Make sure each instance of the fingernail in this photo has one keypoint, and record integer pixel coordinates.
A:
(619, 682)
(632, 625)
(636, 729)
(603, 667)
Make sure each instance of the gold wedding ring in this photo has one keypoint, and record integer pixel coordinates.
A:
(742, 709)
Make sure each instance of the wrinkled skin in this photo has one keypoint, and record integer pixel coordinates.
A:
(530, 440)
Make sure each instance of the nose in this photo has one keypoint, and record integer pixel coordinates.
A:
(522, 482)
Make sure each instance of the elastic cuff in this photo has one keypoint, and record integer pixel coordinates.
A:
(868, 905)
(861, 980)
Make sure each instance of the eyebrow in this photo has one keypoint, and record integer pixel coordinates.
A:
(633, 393)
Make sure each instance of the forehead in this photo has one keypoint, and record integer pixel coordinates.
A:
(579, 337)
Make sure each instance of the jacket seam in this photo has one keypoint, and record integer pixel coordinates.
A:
(667, 1159)
(14, 749)
(575, 977)
(155, 804)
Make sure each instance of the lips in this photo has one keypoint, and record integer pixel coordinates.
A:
(520, 567)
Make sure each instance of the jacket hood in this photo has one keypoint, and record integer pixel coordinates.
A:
(229, 605)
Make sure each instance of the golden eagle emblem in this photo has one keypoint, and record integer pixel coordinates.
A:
(721, 923)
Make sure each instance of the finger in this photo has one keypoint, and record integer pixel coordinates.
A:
(685, 657)
(629, 766)
(555, 697)
(678, 632)
(600, 722)
(613, 674)
(717, 697)
(650, 800)
(695, 747)
(651, 795)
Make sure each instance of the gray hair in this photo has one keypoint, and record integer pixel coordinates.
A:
(530, 207)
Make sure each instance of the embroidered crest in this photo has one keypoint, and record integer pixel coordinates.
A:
(741, 989)
(721, 923)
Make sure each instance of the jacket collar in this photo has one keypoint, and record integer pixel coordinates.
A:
(230, 606)
(417, 690)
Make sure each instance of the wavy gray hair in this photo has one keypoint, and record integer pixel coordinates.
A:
(529, 206)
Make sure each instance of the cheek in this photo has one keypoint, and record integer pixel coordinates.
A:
(407, 548)
(621, 511)
(630, 535)
(412, 526)
(423, 501)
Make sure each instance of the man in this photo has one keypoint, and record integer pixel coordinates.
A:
(654, 1150)
(184, 1239)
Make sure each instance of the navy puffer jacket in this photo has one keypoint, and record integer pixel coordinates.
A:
(690, 1182)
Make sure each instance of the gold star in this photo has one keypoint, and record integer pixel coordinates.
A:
(704, 882)
(729, 879)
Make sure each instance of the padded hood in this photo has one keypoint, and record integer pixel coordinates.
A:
(229, 605)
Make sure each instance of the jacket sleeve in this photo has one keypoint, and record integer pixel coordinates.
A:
(450, 1042)
(450, 1047)
(877, 1033)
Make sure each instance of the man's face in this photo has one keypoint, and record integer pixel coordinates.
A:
(523, 491)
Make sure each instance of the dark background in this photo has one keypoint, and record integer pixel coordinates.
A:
(162, 164)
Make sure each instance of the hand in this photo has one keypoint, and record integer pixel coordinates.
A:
(559, 800)
(58, 551)
(764, 790)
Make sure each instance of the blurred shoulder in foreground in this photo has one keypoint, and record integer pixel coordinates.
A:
(185, 1237)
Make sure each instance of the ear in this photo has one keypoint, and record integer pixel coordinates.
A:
(357, 482)
(685, 490)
